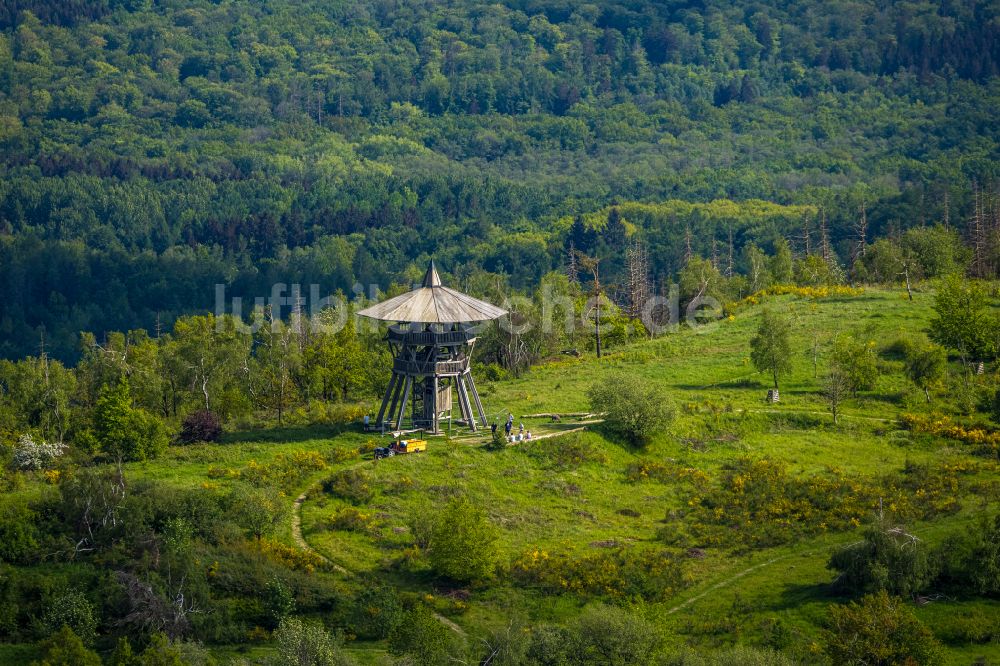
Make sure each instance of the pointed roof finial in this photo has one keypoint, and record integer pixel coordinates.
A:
(431, 277)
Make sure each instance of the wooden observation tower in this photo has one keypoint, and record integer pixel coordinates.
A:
(431, 335)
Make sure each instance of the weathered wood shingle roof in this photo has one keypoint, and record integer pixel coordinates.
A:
(433, 303)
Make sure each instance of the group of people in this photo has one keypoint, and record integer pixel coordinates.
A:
(508, 427)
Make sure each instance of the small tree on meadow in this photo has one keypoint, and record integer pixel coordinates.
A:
(835, 389)
(633, 408)
(879, 631)
(259, 510)
(463, 544)
(856, 360)
(771, 347)
(926, 367)
(963, 321)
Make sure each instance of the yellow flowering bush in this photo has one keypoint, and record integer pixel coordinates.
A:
(758, 503)
(286, 471)
(651, 470)
(351, 519)
(985, 442)
(622, 573)
(815, 293)
(292, 558)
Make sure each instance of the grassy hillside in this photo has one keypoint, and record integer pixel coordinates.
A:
(578, 512)
(572, 496)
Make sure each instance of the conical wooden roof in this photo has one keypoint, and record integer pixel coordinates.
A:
(433, 303)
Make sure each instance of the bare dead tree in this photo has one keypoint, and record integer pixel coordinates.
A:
(730, 260)
(824, 238)
(152, 613)
(807, 234)
(861, 231)
(593, 264)
(639, 287)
(93, 502)
(836, 388)
(572, 271)
(978, 237)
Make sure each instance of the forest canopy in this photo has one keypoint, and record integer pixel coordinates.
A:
(153, 149)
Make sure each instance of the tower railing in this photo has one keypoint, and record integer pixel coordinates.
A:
(427, 338)
(427, 368)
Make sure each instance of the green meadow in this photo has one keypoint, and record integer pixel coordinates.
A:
(580, 501)
(572, 500)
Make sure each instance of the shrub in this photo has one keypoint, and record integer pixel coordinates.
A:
(550, 645)
(64, 648)
(202, 425)
(995, 407)
(609, 635)
(353, 485)
(377, 612)
(162, 651)
(424, 639)
(351, 519)
(341, 455)
(633, 408)
(463, 543)
(287, 470)
(740, 655)
(983, 441)
(887, 559)
(301, 642)
(18, 532)
(497, 442)
(123, 432)
(651, 470)
(568, 452)
(71, 608)
(623, 573)
(968, 626)
(758, 503)
(31, 455)
(505, 646)
(878, 631)
(257, 510)
(279, 602)
(291, 557)
(971, 560)
(964, 321)
(926, 367)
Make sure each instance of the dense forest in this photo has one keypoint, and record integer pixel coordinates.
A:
(151, 149)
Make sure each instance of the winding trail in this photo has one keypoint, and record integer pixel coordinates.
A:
(724, 583)
(299, 539)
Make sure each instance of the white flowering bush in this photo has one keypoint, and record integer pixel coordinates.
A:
(29, 454)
